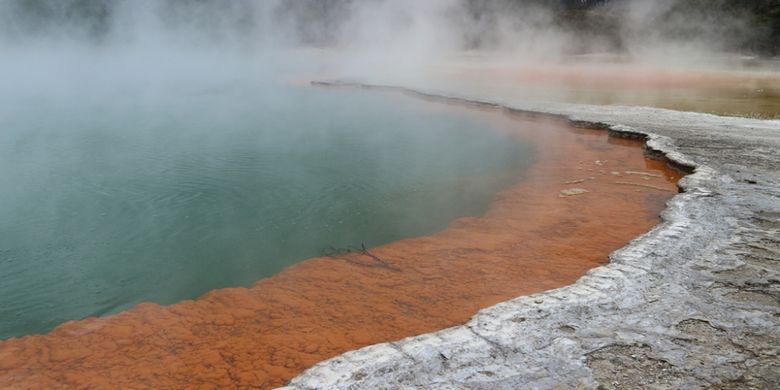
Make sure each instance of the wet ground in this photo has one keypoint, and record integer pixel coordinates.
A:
(743, 91)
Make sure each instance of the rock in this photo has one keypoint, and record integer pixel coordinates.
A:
(573, 191)
(645, 174)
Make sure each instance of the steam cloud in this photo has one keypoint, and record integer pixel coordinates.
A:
(105, 40)
(406, 27)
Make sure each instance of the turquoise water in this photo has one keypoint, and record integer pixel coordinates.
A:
(163, 193)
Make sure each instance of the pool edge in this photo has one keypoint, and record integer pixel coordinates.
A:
(562, 337)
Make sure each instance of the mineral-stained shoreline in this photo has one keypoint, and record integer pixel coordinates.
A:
(585, 195)
(694, 303)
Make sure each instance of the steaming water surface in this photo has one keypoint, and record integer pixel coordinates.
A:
(164, 192)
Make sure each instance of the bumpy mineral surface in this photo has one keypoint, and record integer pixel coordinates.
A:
(693, 303)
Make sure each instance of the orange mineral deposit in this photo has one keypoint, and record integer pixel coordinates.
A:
(587, 195)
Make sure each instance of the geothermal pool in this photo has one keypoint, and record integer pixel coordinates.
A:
(531, 238)
(161, 193)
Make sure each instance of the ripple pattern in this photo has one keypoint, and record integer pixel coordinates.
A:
(113, 201)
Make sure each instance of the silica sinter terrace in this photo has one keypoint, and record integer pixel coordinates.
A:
(161, 193)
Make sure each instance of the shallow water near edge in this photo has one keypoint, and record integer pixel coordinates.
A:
(114, 199)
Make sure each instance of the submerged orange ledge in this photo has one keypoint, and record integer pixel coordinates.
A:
(531, 239)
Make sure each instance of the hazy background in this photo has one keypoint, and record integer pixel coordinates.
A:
(678, 30)
(92, 44)
(582, 25)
